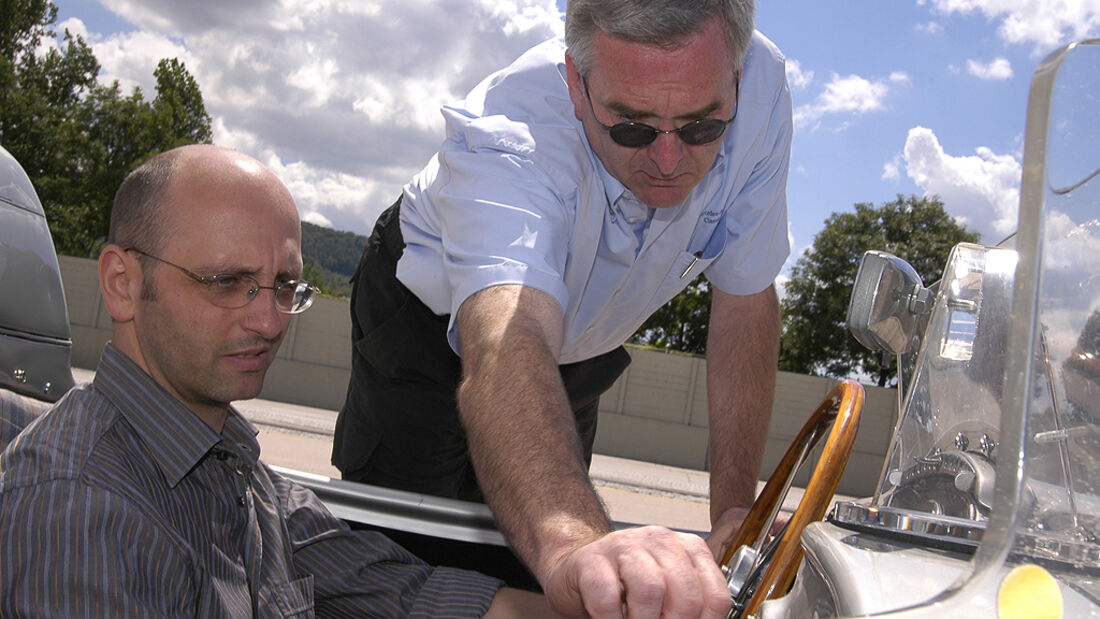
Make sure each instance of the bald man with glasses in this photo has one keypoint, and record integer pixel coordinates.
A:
(578, 190)
(141, 494)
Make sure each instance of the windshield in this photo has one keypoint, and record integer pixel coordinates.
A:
(997, 447)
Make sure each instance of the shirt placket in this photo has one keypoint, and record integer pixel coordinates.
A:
(252, 550)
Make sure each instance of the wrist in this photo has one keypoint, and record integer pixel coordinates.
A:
(562, 535)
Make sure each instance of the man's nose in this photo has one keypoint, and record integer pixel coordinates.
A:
(666, 151)
(263, 317)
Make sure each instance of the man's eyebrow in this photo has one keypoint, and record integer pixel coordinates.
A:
(221, 268)
(626, 111)
(226, 269)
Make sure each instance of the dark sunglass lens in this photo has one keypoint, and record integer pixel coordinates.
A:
(703, 131)
(632, 135)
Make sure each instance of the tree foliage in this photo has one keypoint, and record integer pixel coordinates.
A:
(681, 324)
(330, 258)
(815, 339)
(76, 138)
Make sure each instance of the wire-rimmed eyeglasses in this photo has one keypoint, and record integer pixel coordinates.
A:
(236, 290)
(697, 132)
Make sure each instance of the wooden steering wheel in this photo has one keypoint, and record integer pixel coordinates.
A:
(841, 409)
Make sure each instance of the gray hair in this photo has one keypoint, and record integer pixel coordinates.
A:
(665, 23)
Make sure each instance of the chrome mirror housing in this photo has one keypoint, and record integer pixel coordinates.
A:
(887, 301)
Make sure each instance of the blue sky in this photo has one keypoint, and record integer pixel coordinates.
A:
(341, 99)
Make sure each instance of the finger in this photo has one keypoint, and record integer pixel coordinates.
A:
(644, 584)
(714, 593)
(724, 530)
(712, 598)
(583, 576)
(719, 539)
(600, 589)
(684, 565)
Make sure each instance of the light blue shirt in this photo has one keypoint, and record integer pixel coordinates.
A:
(517, 196)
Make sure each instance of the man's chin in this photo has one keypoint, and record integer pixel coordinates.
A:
(662, 197)
(672, 203)
(245, 388)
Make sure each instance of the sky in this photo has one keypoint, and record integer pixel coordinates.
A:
(341, 97)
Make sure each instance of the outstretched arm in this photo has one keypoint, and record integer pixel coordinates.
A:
(742, 359)
(527, 455)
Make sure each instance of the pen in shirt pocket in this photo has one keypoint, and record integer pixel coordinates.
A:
(698, 255)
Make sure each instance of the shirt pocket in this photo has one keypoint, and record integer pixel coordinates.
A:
(687, 266)
(294, 598)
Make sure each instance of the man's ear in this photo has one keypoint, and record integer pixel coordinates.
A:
(576, 86)
(119, 282)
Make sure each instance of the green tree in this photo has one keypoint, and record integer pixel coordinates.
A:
(681, 324)
(312, 274)
(39, 93)
(76, 138)
(117, 133)
(179, 107)
(814, 338)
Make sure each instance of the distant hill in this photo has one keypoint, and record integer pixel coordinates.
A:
(334, 254)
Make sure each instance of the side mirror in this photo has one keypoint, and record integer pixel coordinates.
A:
(887, 299)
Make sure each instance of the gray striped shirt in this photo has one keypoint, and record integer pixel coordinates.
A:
(121, 502)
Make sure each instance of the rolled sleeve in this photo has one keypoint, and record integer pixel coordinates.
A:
(501, 218)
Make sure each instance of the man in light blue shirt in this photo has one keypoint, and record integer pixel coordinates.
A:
(578, 190)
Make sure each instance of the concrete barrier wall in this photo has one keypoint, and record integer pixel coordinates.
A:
(655, 412)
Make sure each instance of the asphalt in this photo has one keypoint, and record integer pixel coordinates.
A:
(300, 438)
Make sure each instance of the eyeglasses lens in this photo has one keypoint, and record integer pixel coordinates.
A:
(699, 132)
(236, 291)
(295, 298)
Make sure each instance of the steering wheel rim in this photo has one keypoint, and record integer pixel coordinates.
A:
(841, 408)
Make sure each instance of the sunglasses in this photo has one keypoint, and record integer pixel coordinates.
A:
(635, 135)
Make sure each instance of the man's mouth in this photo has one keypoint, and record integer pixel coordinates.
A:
(250, 359)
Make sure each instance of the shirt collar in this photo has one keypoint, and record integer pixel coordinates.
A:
(177, 438)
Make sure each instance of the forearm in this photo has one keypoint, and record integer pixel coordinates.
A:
(520, 429)
(742, 358)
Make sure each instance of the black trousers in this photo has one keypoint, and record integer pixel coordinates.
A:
(399, 427)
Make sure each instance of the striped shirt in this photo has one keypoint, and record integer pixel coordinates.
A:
(121, 502)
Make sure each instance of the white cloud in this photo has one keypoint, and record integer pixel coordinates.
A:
(317, 219)
(997, 69)
(929, 27)
(981, 191)
(849, 94)
(891, 170)
(1044, 24)
(131, 57)
(340, 97)
(796, 77)
(781, 286)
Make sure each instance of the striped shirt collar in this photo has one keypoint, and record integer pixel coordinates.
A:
(177, 438)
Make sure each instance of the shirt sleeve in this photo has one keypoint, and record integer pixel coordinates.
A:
(501, 217)
(756, 223)
(364, 573)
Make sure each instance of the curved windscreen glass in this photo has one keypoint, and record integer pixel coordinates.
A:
(997, 447)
